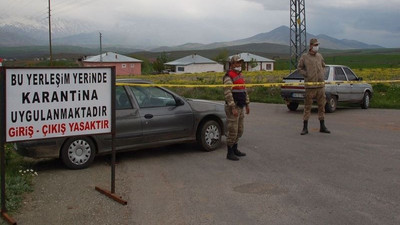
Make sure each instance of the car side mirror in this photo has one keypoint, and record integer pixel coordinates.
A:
(179, 102)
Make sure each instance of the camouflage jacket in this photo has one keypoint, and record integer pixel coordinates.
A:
(312, 67)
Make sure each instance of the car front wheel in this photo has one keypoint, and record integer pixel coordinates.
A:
(331, 104)
(209, 135)
(78, 152)
(292, 106)
(365, 101)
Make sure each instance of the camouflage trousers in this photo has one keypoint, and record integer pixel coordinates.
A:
(319, 95)
(234, 125)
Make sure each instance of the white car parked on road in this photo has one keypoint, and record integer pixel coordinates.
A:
(339, 91)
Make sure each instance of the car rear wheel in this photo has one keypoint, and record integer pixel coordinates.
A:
(292, 106)
(331, 104)
(209, 135)
(78, 152)
(365, 101)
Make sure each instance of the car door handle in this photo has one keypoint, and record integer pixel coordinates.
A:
(148, 116)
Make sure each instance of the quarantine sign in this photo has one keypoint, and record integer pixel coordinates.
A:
(57, 102)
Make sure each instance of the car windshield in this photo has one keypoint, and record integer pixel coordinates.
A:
(297, 76)
(148, 97)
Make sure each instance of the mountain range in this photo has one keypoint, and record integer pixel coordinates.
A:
(280, 36)
(18, 35)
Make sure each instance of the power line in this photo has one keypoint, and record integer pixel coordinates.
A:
(15, 8)
(66, 8)
(51, 51)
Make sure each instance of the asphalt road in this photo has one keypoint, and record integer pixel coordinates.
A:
(350, 176)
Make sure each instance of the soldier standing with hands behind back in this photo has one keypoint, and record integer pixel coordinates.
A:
(312, 66)
(236, 101)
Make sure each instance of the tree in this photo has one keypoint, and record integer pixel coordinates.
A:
(147, 66)
(222, 56)
(158, 65)
(253, 63)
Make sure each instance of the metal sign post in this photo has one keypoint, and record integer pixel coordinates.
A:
(111, 194)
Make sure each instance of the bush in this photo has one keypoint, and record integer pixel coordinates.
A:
(18, 179)
(386, 96)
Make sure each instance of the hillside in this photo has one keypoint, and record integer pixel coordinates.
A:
(280, 36)
(263, 49)
(19, 36)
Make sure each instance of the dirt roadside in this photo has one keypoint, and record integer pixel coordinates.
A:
(68, 197)
(347, 177)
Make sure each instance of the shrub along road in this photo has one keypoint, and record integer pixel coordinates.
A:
(350, 176)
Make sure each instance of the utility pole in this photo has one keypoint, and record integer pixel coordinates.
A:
(51, 51)
(101, 50)
(298, 39)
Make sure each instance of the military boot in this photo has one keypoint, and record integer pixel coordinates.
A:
(322, 128)
(231, 155)
(305, 127)
(237, 152)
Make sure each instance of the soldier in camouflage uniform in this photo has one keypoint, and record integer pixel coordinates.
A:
(236, 104)
(312, 66)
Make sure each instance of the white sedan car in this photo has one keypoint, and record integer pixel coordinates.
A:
(340, 90)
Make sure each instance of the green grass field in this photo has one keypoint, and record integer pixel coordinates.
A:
(355, 61)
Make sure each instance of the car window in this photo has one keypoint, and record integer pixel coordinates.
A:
(326, 75)
(139, 93)
(152, 97)
(295, 75)
(121, 98)
(339, 74)
(350, 75)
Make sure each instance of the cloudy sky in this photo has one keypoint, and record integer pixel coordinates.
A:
(174, 22)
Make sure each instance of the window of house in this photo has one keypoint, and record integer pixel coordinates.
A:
(181, 69)
(268, 66)
(132, 65)
(123, 65)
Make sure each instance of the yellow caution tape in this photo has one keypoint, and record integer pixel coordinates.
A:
(257, 85)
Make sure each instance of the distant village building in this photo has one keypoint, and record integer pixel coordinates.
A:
(124, 65)
(254, 62)
(194, 64)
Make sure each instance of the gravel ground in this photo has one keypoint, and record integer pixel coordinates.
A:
(68, 197)
(347, 177)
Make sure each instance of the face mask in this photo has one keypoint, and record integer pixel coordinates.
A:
(239, 68)
(315, 48)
